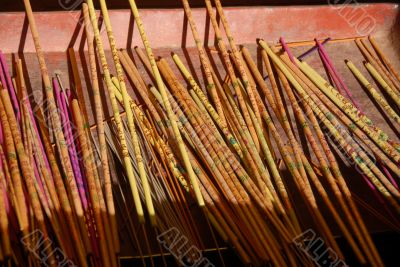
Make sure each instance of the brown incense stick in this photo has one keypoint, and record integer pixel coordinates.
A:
(386, 61)
(117, 117)
(231, 72)
(88, 165)
(135, 77)
(55, 117)
(5, 238)
(336, 172)
(238, 60)
(204, 62)
(171, 115)
(12, 137)
(328, 120)
(100, 128)
(130, 119)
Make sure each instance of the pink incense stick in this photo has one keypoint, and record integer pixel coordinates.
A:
(79, 162)
(8, 84)
(286, 48)
(32, 117)
(72, 135)
(329, 69)
(370, 185)
(332, 71)
(327, 61)
(386, 171)
(72, 138)
(70, 143)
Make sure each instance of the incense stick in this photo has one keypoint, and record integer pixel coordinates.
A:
(390, 91)
(373, 92)
(387, 63)
(100, 129)
(131, 123)
(55, 116)
(204, 62)
(117, 117)
(336, 172)
(238, 60)
(12, 134)
(171, 116)
(331, 127)
(229, 68)
(88, 164)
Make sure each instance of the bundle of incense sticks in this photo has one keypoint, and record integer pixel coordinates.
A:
(250, 161)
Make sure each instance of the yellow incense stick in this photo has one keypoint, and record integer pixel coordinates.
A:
(129, 115)
(379, 66)
(167, 105)
(383, 83)
(374, 93)
(207, 104)
(344, 104)
(383, 57)
(89, 171)
(117, 115)
(359, 161)
(378, 136)
(100, 127)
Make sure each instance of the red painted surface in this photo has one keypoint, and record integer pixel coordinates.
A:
(167, 27)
